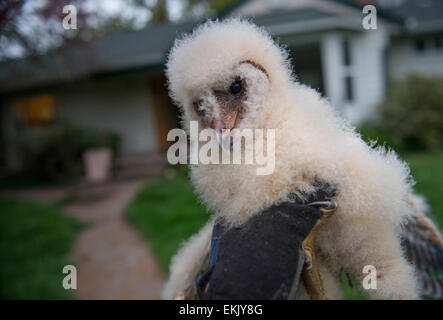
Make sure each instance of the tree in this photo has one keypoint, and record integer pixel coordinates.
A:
(32, 27)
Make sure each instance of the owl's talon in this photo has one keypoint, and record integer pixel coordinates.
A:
(179, 296)
(326, 207)
(311, 274)
(308, 262)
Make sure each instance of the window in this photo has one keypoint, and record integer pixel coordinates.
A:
(420, 45)
(424, 45)
(348, 79)
(37, 110)
(438, 42)
(346, 53)
(349, 93)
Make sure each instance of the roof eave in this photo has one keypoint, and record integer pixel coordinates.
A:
(331, 23)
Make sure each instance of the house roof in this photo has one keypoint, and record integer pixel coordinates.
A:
(281, 16)
(306, 20)
(416, 16)
(117, 52)
(419, 16)
(129, 51)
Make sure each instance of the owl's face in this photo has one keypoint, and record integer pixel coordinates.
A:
(232, 99)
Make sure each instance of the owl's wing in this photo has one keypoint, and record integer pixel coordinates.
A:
(423, 246)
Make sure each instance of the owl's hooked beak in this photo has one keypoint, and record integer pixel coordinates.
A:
(228, 122)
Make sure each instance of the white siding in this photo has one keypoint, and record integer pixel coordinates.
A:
(404, 59)
(118, 104)
(367, 70)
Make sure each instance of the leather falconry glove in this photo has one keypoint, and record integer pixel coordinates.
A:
(268, 256)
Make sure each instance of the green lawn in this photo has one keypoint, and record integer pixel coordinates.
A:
(35, 240)
(427, 170)
(167, 211)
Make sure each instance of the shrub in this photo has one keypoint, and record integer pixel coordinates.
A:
(382, 137)
(413, 112)
(54, 154)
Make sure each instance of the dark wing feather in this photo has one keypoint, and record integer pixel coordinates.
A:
(423, 246)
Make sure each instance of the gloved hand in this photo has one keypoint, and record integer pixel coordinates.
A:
(263, 258)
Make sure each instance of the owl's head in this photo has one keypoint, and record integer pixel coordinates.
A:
(224, 73)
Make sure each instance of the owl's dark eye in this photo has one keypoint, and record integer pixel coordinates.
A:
(236, 87)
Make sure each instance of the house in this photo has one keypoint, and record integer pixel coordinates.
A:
(117, 83)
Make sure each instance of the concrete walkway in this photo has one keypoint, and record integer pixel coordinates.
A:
(112, 260)
(40, 194)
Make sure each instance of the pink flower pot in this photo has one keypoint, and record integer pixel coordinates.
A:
(98, 163)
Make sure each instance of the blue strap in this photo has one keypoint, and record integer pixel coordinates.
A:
(214, 246)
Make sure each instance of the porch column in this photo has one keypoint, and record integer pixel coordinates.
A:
(331, 57)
